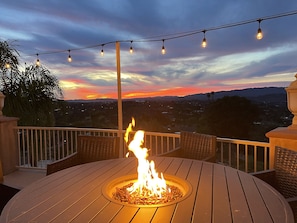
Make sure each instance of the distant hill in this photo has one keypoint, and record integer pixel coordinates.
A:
(275, 95)
(267, 94)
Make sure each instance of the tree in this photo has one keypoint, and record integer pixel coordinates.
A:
(8, 57)
(31, 94)
(230, 116)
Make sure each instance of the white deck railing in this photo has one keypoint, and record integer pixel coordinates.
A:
(41, 145)
(249, 156)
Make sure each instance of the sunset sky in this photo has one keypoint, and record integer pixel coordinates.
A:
(233, 58)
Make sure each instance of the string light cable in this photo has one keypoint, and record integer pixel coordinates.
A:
(167, 37)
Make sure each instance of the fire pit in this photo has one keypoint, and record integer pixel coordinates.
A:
(116, 191)
(148, 187)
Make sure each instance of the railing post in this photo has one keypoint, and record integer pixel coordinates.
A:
(2, 97)
(292, 101)
(120, 109)
(8, 144)
(285, 136)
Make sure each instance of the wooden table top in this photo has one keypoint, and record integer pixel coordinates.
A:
(219, 194)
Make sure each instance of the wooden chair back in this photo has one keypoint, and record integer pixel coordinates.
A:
(197, 146)
(286, 171)
(1, 172)
(95, 148)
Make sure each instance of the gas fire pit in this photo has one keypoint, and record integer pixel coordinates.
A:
(116, 191)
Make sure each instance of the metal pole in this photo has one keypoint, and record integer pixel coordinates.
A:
(120, 108)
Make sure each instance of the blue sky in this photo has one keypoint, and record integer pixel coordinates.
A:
(233, 58)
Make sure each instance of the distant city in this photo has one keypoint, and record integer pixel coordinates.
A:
(174, 114)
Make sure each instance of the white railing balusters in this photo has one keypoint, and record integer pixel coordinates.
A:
(242, 149)
(255, 158)
(230, 157)
(246, 158)
(237, 156)
(40, 145)
(265, 158)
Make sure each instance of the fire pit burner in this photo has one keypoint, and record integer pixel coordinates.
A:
(116, 192)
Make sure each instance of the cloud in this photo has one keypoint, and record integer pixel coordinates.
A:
(232, 59)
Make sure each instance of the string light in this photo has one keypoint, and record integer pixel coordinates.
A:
(163, 50)
(7, 65)
(69, 57)
(204, 43)
(185, 34)
(102, 51)
(259, 33)
(131, 48)
(37, 61)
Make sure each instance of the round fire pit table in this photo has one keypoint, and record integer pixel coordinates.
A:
(213, 193)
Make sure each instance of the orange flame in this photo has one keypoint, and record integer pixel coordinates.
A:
(148, 177)
(128, 130)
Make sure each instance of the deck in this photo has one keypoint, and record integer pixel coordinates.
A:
(23, 177)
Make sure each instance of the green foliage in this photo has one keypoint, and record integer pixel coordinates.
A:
(29, 95)
(231, 117)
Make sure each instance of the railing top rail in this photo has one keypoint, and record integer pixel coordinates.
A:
(66, 128)
(91, 129)
(241, 141)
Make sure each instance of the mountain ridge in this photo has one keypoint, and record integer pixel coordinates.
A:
(255, 94)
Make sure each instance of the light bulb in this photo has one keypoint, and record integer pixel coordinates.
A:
(37, 61)
(204, 43)
(7, 65)
(163, 50)
(102, 51)
(131, 48)
(259, 34)
(69, 57)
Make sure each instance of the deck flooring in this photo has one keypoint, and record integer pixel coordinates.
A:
(23, 177)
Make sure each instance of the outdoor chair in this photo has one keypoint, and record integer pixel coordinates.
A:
(284, 175)
(195, 146)
(6, 192)
(89, 149)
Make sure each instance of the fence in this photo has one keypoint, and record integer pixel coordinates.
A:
(39, 146)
